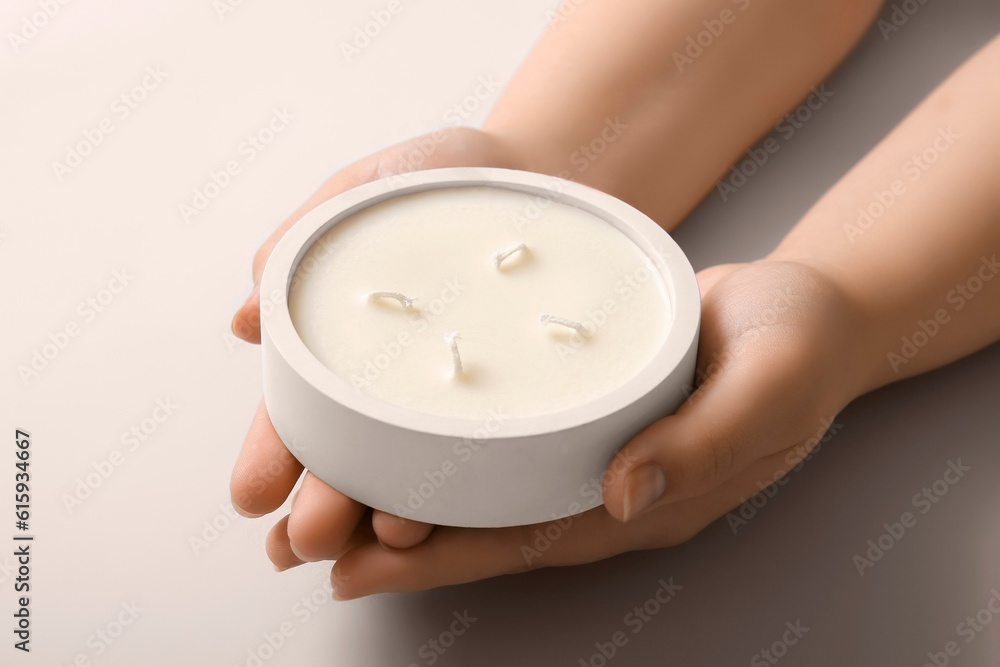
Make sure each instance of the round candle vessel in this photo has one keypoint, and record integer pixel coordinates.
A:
(497, 469)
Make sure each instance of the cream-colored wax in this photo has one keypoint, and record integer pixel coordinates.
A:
(567, 318)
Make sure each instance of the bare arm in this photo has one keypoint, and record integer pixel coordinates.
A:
(649, 101)
(786, 343)
(669, 92)
(912, 233)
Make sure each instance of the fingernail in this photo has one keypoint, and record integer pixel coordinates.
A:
(298, 554)
(282, 568)
(643, 487)
(242, 512)
(338, 581)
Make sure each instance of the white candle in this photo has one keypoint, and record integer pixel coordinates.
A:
(552, 312)
(471, 346)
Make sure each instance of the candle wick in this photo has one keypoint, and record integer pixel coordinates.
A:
(405, 301)
(500, 255)
(578, 327)
(452, 339)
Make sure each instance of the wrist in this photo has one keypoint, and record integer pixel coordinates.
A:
(571, 155)
(854, 337)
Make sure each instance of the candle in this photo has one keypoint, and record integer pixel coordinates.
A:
(471, 346)
(550, 313)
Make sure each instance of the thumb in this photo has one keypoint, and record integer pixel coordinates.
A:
(246, 321)
(723, 427)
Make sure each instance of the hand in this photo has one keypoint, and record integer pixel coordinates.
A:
(323, 520)
(775, 364)
(452, 147)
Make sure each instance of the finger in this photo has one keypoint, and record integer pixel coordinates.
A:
(707, 278)
(455, 147)
(742, 412)
(351, 176)
(399, 533)
(246, 321)
(322, 520)
(277, 548)
(460, 555)
(265, 471)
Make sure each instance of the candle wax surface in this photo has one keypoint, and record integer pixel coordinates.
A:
(438, 248)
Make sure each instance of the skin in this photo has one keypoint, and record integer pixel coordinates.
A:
(786, 341)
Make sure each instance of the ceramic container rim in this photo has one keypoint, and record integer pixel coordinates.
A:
(665, 255)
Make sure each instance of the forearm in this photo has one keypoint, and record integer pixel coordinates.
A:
(611, 95)
(912, 233)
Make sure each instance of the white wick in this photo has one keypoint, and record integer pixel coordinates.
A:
(578, 327)
(500, 255)
(405, 301)
(452, 339)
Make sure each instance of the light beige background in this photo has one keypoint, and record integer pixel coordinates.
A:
(157, 532)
